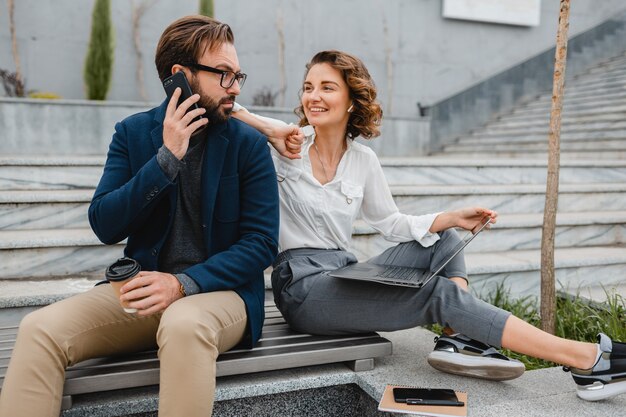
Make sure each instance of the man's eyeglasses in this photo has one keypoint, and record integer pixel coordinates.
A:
(228, 77)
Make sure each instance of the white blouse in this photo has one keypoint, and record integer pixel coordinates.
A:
(321, 216)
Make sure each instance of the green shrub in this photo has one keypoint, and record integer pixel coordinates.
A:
(206, 8)
(99, 62)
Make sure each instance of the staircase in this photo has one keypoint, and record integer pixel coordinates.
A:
(503, 166)
(48, 251)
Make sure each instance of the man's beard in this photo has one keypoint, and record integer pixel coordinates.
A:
(214, 112)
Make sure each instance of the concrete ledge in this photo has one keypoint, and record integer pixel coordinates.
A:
(537, 393)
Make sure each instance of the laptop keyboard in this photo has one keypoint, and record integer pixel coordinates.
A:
(401, 273)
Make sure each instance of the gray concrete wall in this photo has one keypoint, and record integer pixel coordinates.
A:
(413, 53)
(82, 127)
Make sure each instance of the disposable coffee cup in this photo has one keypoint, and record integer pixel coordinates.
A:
(119, 273)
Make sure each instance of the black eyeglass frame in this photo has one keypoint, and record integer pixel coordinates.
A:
(239, 76)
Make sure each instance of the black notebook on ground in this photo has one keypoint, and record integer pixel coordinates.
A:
(400, 275)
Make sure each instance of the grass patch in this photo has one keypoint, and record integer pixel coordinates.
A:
(576, 318)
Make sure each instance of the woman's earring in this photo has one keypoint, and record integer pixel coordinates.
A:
(350, 108)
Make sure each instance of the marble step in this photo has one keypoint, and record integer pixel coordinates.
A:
(44, 209)
(610, 96)
(594, 140)
(590, 139)
(527, 113)
(521, 232)
(593, 269)
(566, 155)
(509, 198)
(566, 120)
(609, 81)
(63, 252)
(485, 169)
(54, 252)
(589, 268)
(58, 209)
(601, 74)
(540, 127)
(488, 170)
(576, 96)
(39, 173)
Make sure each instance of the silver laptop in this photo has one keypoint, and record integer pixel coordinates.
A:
(400, 275)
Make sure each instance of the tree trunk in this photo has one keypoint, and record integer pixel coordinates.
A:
(19, 85)
(548, 295)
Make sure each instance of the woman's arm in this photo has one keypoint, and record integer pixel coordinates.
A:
(468, 218)
(286, 139)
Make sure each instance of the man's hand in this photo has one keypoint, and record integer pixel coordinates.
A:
(151, 292)
(176, 126)
(287, 140)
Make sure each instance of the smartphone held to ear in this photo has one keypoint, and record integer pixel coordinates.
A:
(178, 79)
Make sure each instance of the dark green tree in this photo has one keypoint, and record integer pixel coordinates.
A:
(99, 62)
(206, 8)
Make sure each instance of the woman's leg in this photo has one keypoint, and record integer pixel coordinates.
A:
(525, 338)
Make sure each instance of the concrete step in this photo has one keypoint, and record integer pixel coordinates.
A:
(44, 209)
(613, 79)
(531, 143)
(542, 123)
(534, 135)
(566, 119)
(566, 155)
(545, 99)
(46, 173)
(568, 114)
(59, 253)
(405, 171)
(489, 170)
(540, 127)
(509, 198)
(67, 209)
(521, 232)
(591, 268)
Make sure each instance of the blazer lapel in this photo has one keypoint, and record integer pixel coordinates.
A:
(157, 132)
(214, 155)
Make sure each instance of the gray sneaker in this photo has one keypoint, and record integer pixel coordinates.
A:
(607, 377)
(458, 354)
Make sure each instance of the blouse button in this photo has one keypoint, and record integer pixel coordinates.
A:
(348, 200)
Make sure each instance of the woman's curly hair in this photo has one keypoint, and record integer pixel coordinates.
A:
(367, 113)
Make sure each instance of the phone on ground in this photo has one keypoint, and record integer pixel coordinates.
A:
(426, 396)
(178, 79)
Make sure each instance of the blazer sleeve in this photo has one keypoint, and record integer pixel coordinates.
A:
(257, 245)
(125, 197)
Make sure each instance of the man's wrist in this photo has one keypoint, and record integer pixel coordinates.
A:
(187, 285)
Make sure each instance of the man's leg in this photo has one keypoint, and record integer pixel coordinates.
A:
(87, 325)
(193, 332)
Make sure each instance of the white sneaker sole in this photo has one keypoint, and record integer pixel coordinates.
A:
(476, 366)
(599, 391)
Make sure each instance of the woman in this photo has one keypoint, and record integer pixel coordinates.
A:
(337, 179)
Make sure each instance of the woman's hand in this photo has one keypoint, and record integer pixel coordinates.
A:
(468, 218)
(287, 140)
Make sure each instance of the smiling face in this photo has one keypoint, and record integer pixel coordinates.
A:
(325, 97)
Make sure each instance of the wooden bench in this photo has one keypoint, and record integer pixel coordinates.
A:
(279, 348)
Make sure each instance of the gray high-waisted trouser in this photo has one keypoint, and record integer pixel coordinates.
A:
(314, 302)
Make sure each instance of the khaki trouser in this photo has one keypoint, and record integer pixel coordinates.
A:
(189, 334)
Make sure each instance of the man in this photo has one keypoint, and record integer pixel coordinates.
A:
(198, 204)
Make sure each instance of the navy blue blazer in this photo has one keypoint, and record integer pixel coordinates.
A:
(135, 200)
